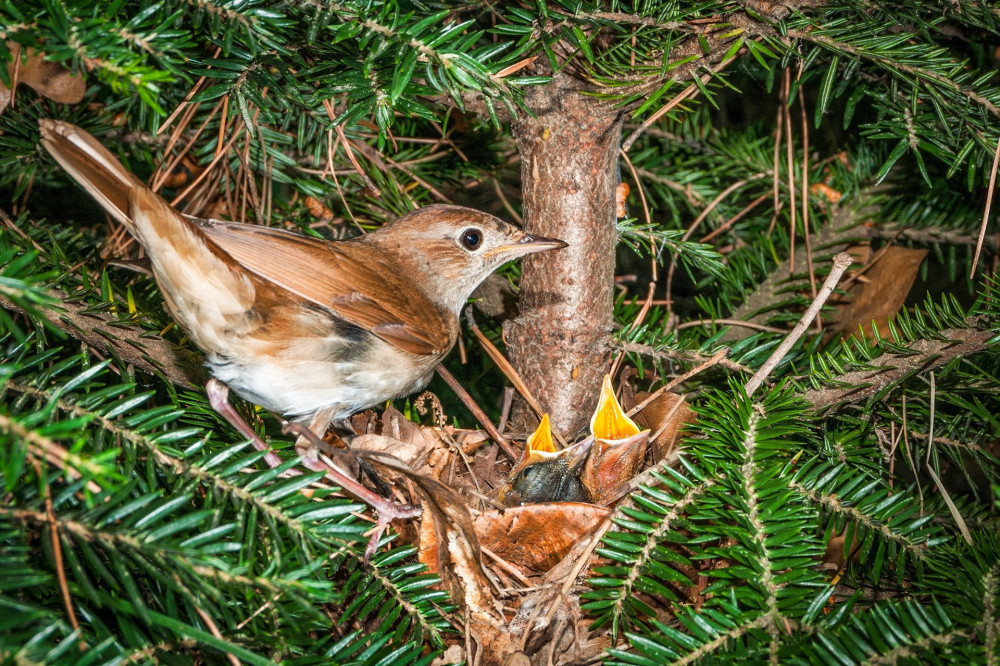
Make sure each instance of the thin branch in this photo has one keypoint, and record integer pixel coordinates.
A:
(986, 212)
(840, 264)
(683, 95)
(477, 412)
(131, 344)
(923, 355)
(715, 360)
(674, 355)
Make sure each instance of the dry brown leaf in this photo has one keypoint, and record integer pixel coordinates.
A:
(427, 450)
(879, 298)
(537, 536)
(561, 630)
(826, 192)
(49, 79)
(664, 416)
(450, 548)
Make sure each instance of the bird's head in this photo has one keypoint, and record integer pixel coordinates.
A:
(453, 249)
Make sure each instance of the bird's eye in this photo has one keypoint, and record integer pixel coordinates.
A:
(471, 239)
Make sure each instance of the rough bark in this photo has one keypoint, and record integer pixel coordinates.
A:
(569, 169)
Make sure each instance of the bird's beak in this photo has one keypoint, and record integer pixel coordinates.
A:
(528, 244)
(578, 453)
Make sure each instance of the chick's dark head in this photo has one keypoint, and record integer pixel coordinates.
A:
(551, 478)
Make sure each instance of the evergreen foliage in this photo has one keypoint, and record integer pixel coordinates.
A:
(135, 527)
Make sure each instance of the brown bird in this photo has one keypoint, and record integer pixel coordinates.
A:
(311, 329)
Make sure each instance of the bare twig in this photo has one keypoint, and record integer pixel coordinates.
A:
(715, 360)
(986, 212)
(683, 95)
(790, 160)
(923, 355)
(348, 149)
(214, 630)
(840, 264)
(675, 355)
(734, 219)
(57, 556)
(731, 322)
(477, 412)
(805, 204)
(578, 566)
(508, 370)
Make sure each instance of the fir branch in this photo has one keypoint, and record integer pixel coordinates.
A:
(891, 367)
(772, 616)
(44, 448)
(896, 63)
(103, 331)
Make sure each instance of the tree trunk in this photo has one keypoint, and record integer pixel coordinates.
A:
(569, 171)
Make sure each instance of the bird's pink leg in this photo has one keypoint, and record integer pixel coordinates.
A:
(218, 398)
(311, 445)
(387, 509)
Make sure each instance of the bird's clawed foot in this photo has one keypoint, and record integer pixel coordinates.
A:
(387, 509)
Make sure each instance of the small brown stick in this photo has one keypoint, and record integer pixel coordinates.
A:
(506, 566)
(732, 322)
(167, 166)
(986, 212)
(173, 116)
(734, 219)
(673, 355)
(57, 555)
(840, 264)
(581, 562)
(508, 370)
(859, 274)
(698, 220)
(506, 204)
(354, 161)
(652, 284)
(776, 179)
(805, 205)
(790, 159)
(508, 401)
(716, 358)
(214, 630)
(331, 151)
(684, 94)
(208, 170)
(477, 412)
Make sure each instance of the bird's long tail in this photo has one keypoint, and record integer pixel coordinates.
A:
(207, 291)
(93, 166)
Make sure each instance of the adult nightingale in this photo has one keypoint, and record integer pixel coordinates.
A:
(311, 329)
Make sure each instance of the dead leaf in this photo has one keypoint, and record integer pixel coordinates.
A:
(879, 299)
(824, 191)
(621, 195)
(536, 537)
(664, 416)
(49, 79)
(450, 548)
(318, 209)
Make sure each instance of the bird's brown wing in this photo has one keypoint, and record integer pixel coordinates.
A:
(345, 278)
